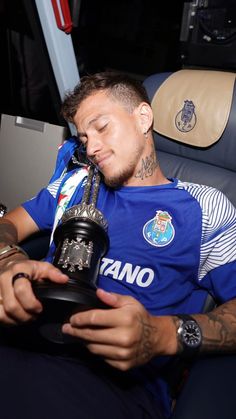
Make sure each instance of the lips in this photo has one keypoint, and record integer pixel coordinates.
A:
(100, 161)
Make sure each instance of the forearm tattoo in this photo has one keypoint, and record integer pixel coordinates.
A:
(219, 329)
(148, 166)
(144, 351)
(8, 233)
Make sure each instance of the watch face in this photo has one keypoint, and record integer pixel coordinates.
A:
(191, 334)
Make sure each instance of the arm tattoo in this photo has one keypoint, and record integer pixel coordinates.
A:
(148, 166)
(8, 233)
(219, 329)
(144, 351)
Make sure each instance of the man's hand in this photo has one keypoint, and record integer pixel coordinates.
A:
(17, 301)
(125, 335)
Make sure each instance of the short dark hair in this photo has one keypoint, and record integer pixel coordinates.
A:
(130, 92)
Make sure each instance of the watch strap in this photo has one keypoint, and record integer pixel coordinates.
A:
(185, 317)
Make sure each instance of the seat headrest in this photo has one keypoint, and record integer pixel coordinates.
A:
(197, 105)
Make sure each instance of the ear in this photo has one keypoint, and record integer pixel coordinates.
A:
(145, 116)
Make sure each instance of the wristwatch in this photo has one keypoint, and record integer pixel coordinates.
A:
(189, 334)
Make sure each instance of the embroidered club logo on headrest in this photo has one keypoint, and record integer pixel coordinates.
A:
(186, 119)
(159, 231)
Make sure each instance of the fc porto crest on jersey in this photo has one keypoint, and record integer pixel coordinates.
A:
(186, 118)
(159, 231)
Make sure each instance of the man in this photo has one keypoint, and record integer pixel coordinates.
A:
(168, 240)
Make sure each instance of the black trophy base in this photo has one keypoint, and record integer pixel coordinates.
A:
(60, 302)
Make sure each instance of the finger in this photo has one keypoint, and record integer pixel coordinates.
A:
(37, 270)
(110, 352)
(109, 347)
(45, 270)
(12, 309)
(99, 318)
(23, 287)
(6, 319)
(11, 321)
(120, 365)
(18, 300)
(3, 317)
(126, 315)
(10, 304)
(122, 359)
(109, 336)
(25, 296)
(108, 298)
(115, 300)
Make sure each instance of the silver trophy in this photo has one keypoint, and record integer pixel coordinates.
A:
(81, 241)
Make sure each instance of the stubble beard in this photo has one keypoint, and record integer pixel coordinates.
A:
(120, 179)
(122, 176)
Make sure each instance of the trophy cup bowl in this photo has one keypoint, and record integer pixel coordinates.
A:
(81, 241)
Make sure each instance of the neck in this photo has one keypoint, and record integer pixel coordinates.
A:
(148, 166)
(148, 173)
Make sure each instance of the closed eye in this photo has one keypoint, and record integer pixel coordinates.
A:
(101, 129)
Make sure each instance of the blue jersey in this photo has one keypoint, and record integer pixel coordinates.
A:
(169, 244)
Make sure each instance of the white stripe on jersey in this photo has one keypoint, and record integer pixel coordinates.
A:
(53, 187)
(67, 190)
(218, 240)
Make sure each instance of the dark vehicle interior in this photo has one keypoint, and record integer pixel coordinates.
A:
(140, 38)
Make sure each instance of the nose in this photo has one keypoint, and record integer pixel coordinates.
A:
(93, 146)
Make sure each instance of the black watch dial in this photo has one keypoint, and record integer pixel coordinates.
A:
(191, 334)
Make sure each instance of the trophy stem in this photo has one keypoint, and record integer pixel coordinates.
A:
(96, 189)
(87, 189)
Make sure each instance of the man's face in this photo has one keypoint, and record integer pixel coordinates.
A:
(113, 138)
